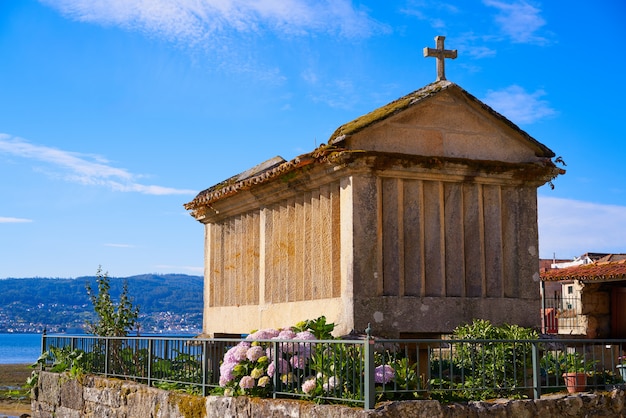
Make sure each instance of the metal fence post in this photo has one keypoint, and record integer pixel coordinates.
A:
(370, 389)
(106, 356)
(150, 362)
(43, 341)
(536, 370)
(276, 377)
(205, 366)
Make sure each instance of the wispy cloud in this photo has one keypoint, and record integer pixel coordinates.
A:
(80, 168)
(518, 105)
(9, 220)
(571, 227)
(119, 245)
(519, 20)
(205, 20)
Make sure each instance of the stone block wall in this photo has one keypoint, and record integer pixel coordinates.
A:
(91, 396)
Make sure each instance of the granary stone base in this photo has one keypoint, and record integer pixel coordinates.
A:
(90, 396)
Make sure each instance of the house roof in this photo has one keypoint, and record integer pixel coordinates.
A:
(419, 96)
(594, 272)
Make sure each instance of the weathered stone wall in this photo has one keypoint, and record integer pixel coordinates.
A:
(60, 396)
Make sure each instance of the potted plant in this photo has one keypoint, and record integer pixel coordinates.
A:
(575, 373)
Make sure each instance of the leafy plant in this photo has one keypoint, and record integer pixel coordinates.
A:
(493, 368)
(63, 359)
(114, 319)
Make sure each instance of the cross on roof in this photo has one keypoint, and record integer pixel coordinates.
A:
(441, 54)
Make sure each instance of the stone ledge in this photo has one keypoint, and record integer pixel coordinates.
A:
(58, 395)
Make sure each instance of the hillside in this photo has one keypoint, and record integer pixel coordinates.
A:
(167, 303)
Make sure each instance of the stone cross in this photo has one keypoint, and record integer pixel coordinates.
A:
(441, 54)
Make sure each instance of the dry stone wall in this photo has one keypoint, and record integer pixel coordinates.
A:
(90, 396)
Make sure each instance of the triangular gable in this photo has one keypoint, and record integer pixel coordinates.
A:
(444, 120)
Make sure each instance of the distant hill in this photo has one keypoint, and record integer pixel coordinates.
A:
(167, 303)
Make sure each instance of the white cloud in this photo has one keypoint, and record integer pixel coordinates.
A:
(519, 106)
(82, 168)
(119, 245)
(571, 228)
(9, 220)
(519, 20)
(196, 21)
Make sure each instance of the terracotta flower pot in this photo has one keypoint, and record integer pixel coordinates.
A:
(575, 382)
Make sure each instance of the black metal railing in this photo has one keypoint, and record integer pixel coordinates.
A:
(359, 372)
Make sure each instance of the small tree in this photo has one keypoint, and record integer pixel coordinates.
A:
(113, 320)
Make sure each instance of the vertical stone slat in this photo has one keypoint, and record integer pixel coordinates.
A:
(291, 279)
(300, 237)
(334, 229)
(380, 257)
(326, 242)
(453, 237)
(270, 249)
(434, 239)
(390, 236)
(493, 240)
(237, 276)
(510, 241)
(262, 254)
(413, 238)
(473, 239)
(316, 271)
(307, 235)
(282, 294)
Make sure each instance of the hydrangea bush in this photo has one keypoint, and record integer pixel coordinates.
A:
(314, 369)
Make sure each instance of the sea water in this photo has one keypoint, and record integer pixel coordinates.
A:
(19, 348)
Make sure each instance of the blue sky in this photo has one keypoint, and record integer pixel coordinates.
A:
(114, 113)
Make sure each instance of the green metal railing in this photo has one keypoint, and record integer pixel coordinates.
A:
(359, 372)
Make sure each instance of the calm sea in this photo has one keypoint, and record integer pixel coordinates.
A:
(19, 348)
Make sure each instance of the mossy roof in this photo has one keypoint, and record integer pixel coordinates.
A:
(276, 167)
(419, 96)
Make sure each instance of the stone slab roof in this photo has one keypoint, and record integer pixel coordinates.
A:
(333, 149)
(595, 272)
(416, 97)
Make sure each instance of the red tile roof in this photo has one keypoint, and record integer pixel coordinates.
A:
(600, 271)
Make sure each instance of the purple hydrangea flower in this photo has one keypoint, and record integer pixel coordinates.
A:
(384, 374)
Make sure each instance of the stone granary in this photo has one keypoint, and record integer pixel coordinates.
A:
(416, 217)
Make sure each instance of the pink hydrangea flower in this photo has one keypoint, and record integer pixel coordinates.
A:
(254, 353)
(384, 374)
(309, 385)
(237, 353)
(227, 372)
(330, 384)
(304, 335)
(247, 382)
(286, 334)
(283, 367)
(298, 362)
(263, 334)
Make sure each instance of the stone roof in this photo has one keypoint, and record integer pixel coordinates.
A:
(419, 96)
(594, 272)
(278, 167)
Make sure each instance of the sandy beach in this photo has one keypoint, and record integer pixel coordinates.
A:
(12, 379)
